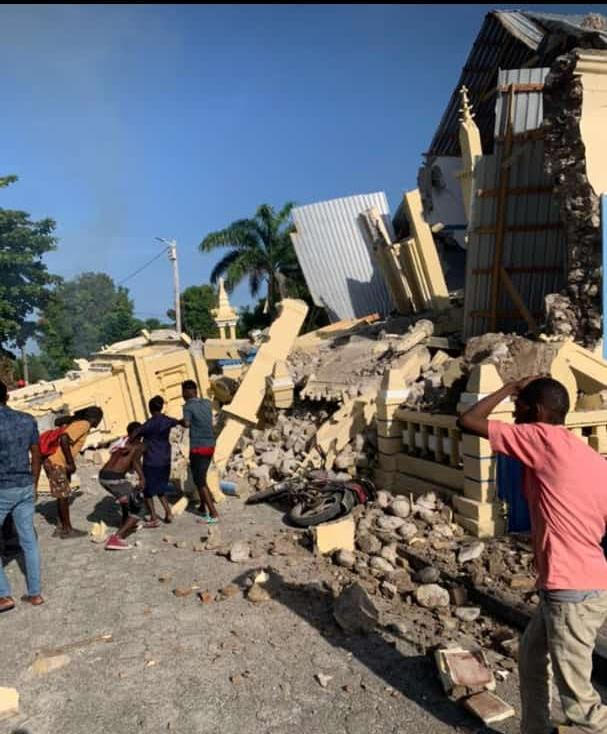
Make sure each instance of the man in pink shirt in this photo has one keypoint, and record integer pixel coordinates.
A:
(565, 484)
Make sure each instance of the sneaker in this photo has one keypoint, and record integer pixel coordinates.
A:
(116, 543)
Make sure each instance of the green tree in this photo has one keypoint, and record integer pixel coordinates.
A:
(81, 316)
(35, 367)
(260, 250)
(152, 324)
(197, 319)
(24, 279)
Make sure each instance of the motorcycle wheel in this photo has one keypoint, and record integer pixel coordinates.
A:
(330, 507)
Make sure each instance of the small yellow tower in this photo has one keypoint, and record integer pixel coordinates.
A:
(225, 316)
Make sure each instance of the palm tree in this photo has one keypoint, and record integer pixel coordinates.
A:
(260, 250)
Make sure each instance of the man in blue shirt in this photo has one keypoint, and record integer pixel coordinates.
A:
(19, 472)
(157, 459)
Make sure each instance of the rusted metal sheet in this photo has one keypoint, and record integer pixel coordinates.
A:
(533, 247)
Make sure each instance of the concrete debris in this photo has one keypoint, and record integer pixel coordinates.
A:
(345, 558)
(179, 507)
(468, 614)
(400, 508)
(332, 536)
(99, 532)
(258, 594)
(489, 707)
(565, 159)
(239, 552)
(354, 611)
(463, 672)
(428, 575)
(432, 596)
(9, 703)
(182, 591)
(471, 552)
(323, 679)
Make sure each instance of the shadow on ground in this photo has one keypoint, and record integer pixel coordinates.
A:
(413, 676)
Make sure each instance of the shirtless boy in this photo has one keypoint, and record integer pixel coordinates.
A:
(112, 477)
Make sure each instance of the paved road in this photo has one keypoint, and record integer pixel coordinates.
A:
(231, 667)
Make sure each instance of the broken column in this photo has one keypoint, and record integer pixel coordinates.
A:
(243, 409)
(575, 117)
(281, 386)
(479, 511)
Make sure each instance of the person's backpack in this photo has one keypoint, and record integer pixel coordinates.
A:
(49, 441)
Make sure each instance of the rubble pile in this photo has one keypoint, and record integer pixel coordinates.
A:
(577, 312)
(394, 530)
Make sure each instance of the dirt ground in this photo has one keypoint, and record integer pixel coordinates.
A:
(230, 666)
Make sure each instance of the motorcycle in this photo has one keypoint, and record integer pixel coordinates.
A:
(315, 499)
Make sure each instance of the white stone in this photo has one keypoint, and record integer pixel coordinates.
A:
(383, 499)
(380, 564)
(401, 507)
(240, 551)
(471, 552)
(389, 522)
(432, 596)
(408, 530)
(345, 558)
(468, 614)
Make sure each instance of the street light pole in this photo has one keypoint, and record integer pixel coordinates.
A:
(172, 253)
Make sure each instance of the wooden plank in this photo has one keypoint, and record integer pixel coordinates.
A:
(538, 134)
(522, 88)
(514, 315)
(547, 227)
(521, 269)
(515, 191)
(500, 216)
(517, 300)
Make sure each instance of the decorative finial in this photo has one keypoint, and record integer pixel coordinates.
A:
(465, 110)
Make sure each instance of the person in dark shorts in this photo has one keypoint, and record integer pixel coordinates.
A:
(113, 478)
(157, 459)
(198, 417)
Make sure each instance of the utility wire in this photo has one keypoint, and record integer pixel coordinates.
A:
(143, 267)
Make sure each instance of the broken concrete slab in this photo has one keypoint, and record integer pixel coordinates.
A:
(489, 707)
(179, 507)
(354, 611)
(9, 703)
(99, 532)
(463, 671)
(332, 536)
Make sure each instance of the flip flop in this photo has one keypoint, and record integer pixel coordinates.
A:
(151, 524)
(6, 604)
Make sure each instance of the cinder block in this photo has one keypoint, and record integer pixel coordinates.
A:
(333, 536)
(479, 511)
(389, 445)
(485, 529)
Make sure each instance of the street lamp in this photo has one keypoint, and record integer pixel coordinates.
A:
(171, 247)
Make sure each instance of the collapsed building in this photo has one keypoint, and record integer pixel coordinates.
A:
(490, 270)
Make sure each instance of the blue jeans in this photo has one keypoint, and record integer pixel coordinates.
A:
(20, 501)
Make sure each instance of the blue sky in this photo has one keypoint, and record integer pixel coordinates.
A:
(126, 122)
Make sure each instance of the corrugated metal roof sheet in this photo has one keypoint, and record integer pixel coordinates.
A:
(536, 258)
(336, 259)
(507, 40)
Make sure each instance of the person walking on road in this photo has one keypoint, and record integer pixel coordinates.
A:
(198, 417)
(19, 473)
(565, 484)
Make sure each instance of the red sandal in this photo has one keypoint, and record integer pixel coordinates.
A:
(6, 603)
